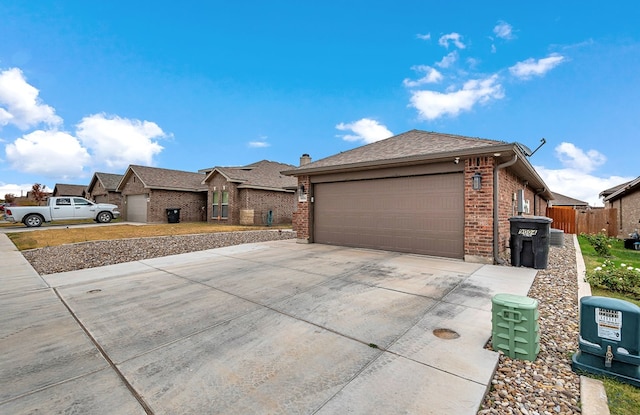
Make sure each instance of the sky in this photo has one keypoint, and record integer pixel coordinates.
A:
(96, 86)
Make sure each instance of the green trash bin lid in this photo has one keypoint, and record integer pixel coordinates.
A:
(515, 301)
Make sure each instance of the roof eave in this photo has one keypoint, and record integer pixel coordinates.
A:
(272, 189)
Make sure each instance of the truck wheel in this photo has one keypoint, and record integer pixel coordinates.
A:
(33, 221)
(104, 217)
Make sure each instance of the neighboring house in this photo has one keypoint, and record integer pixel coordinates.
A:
(147, 193)
(69, 190)
(566, 201)
(102, 188)
(255, 194)
(626, 199)
(427, 193)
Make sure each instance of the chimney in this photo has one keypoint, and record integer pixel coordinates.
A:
(305, 159)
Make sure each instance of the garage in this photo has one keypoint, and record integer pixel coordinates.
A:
(137, 208)
(419, 214)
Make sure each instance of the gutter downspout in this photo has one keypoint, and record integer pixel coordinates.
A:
(496, 208)
(535, 200)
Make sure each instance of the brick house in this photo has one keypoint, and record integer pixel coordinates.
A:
(255, 194)
(102, 188)
(427, 193)
(147, 193)
(626, 199)
(62, 189)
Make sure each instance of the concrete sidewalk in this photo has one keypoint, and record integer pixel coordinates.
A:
(274, 327)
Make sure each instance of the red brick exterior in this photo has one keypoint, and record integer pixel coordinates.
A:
(478, 209)
(478, 215)
(303, 214)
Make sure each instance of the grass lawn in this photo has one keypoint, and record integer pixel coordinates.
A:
(624, 399)
(54, 236)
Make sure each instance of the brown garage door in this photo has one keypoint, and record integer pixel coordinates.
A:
(418, 214)
(137, 208)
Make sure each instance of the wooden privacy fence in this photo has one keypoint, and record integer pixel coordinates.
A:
(589, 221)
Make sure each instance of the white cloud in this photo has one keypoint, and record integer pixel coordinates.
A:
(576, 178)
(424, 37)
(433, 104)
(48, 153)
(573, 157)
(20, 105)
(530, 67)
(503, 30)
(258, 144)
(578, 183)
(455, 38)
(448, 60)
(117, 142)
(365, 130)
(431, 76)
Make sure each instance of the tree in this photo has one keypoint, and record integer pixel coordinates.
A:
(38, 192)
(9, 198)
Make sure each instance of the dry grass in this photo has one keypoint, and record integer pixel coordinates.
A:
(61, 236)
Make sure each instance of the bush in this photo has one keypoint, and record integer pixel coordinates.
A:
(623, 278)
(601, 243)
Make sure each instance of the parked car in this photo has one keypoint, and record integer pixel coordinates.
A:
(62, 208)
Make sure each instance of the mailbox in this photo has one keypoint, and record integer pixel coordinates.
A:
(609, 341)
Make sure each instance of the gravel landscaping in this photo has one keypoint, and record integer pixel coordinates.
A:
(546, 386)
(53, 259)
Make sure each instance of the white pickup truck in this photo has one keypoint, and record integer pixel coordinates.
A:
(62, 208)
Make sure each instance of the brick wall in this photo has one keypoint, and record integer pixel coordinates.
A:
(628, 213)
(478, 212)
(192, 205)
(261, 201)
(302, 213)
(102, 195)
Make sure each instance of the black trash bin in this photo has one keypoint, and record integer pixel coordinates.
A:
(173, 215)
(529, 241)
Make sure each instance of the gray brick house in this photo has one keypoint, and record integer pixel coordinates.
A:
(626, 199)
(255, 194)
(102, 188)
(422, 192)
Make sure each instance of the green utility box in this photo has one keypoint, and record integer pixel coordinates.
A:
(515, 326)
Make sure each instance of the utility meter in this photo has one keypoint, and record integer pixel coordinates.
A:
(609, 341)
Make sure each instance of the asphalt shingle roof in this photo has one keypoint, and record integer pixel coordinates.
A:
(157, 178)
(62, 189)
(262, 174)
(411, 143)
(562, 200)
(109, 181)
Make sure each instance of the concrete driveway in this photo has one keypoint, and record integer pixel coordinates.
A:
(274, 327)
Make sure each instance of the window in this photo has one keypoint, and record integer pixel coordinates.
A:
(63, 202)
(220, 205)
(225, 205)
(80, 201)
(215, 204)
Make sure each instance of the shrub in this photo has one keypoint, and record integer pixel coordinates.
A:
(623, 278)
(601, 243)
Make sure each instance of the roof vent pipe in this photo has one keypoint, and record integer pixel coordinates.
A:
(305, 159)
(496, 208)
